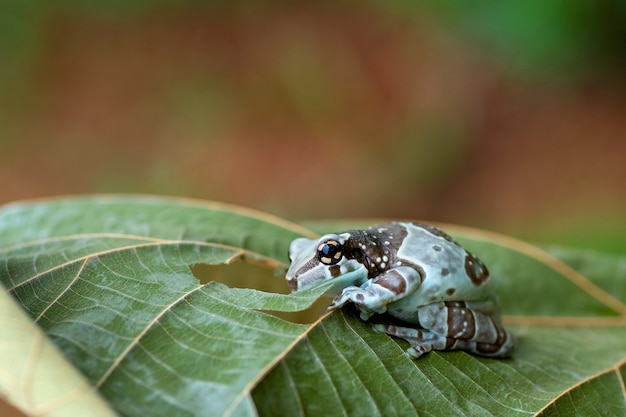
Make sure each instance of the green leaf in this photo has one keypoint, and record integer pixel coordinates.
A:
(109, 280)
(607, 271)
(343, 368)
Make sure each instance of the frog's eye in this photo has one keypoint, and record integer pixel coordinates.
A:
(329, 252)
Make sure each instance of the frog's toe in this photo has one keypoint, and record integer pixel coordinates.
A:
(365, 313)
(337, 303)
(379, 328)
(415, 351)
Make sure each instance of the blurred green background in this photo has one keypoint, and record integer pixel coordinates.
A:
(509, 116)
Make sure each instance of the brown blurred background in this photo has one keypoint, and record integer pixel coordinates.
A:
(510, 117)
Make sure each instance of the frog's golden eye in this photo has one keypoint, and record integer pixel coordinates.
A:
(329, 252)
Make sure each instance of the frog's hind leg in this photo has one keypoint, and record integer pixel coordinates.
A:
(421, 340)
(455, 325)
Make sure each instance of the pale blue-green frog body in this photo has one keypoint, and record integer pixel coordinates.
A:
(414, 272)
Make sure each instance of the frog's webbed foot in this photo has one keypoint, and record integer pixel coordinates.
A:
(367, 303)
(422, 341)
(373, 296)
(352, 296)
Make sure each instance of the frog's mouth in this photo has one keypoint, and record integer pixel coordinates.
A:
(333, 285)
(338, 283)
(304, 282)
(293, 284)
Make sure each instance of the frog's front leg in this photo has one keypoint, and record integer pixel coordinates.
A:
(456, 325)
(375, 294)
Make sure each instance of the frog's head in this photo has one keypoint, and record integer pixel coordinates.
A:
(315, 262)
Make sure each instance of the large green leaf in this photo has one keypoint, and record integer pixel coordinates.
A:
(109, 279)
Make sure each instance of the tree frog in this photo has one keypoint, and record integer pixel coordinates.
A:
(442, 295)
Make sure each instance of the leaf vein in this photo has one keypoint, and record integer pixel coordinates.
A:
(137, 339)
(614, 368)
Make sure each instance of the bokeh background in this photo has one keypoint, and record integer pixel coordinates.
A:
(508, 116)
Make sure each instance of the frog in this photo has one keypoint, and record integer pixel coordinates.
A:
(438, 295)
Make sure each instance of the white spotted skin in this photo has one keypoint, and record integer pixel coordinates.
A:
(418, 250)
(413, 272)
